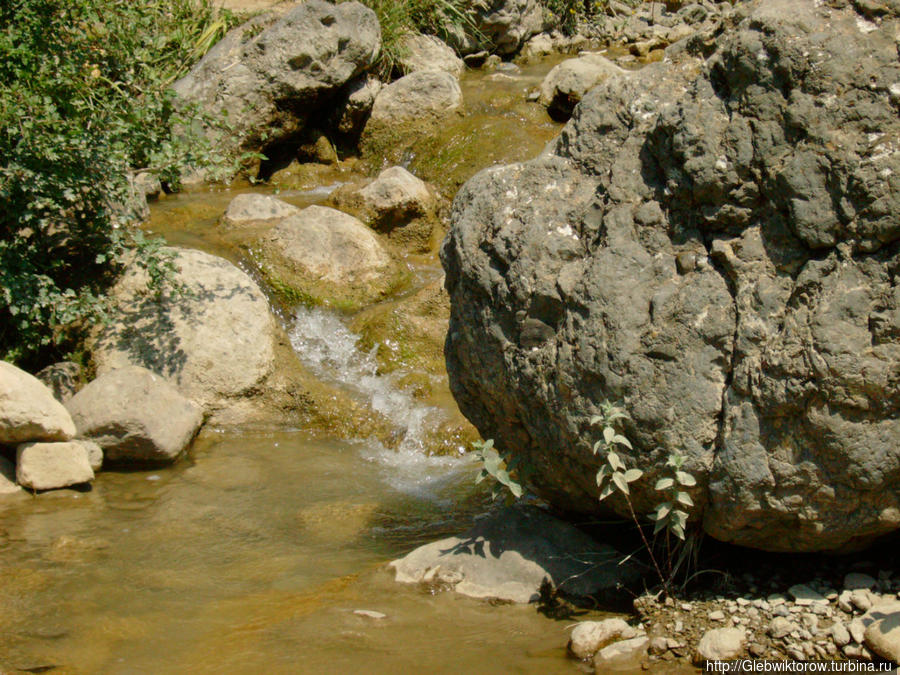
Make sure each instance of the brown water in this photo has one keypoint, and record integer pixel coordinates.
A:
(252, 553)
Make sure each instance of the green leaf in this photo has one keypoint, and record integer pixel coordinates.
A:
(685, 478)
(608, 435)
(661, 524)
(614, 461)
(633, 474)
(663, 510)
(516, 490)
(596, 419)
(597, 446)
(619, 479)
(684, 498)
(678, 531)
(606, 491)
(664, 483)
(621, 440)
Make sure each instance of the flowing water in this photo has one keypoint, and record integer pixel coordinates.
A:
(254, 552)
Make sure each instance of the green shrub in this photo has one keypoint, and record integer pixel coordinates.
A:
(84, 100)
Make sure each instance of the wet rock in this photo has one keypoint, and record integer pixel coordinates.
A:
(413, 105)
(370, 614)
(509, 554)
(214, 339)
(271, 75)
(393, 199)
(721, 644)
(50, 466)
(588, 637)
(135, 415)
(882, 634)
(322, 254)
(316, 147)
(63, 379)
(567, 83)
(254, 207)
(427, 52)
(625, 655)
(28, 410)
(353, 111)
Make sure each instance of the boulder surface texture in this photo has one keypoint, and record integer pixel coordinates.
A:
(28, 411)
(49, 466)
(270, 75)
(135, 415)
(711, 242)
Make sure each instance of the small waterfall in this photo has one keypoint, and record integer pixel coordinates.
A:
(330, 350)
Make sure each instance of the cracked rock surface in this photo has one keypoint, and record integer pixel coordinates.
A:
(711, 241)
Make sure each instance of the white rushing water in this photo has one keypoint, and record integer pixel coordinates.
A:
(331, 352)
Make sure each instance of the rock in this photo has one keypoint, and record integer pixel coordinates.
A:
(805, 596)
(721, 644)
(505, 24)
(538, 46)
(393, 199)
(322, 254)
(50, 466)
(567, 83)
(717, 615)
(565, 290)
(411, 106)
(370, 614)
(28, 411)
(8, 477)
(135, 416)
(352, 113)
(273, 74)
(94, 454)
(588, 637)
(861, 599)
(254, 207)
(660, 645)
(780, 627)
(840, 634)
(215, 340)
(427, 52)
(315, 147)
(508, 555)
(858, 581)
(882, 634)
(857, 629)
(63, 379)
(625, 655)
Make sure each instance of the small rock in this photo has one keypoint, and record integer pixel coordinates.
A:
(844, 602)
(796, 653)
(721, 644)
(679, 626)
(757, 650)
(49, 466)
(717, 615)
(28, 410)
(622, 655)
(369, 613)
(782, 610)
(857, 631)
(659, 645)
(743, 602)
(8, 477)
(811, 622)
(861, 599)
(779, 627)
(804, 595)
(840, 634)
(589, 637)
(255, 207)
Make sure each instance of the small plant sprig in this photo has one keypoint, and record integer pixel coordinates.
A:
(671, 515)
(506, 470)
(613, 474)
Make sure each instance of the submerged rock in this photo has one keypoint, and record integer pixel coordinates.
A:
(625, 655)
(28, 410)
(710, 242)
(254, 207)
(50, 466)
(589, 637)
(135, 415)
(509, 554)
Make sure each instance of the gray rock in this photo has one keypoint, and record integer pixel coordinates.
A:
(393, 199)
(502, 25)
(271, 75)
(588, 637)
(416, 103)
(254, 207)
(28, 411)
(135, 416)
(50, 466)
(214, 340)
(858, 581)
(721, 644)
(63, 379)
(566, 291)
(780, 627)
(882, 634)
(351, 114)
(625, 655)
(804, 596)
(324, 252)
(567, 83)
(509, 554)
(426, 52)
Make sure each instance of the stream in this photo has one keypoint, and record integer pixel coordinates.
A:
(253, 553)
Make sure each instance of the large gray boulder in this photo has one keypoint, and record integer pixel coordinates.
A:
(211, 333)
(50, 466)
(28, 411)
(503, 25)
(135, 415)
(711, 242)
(509, 554)
(268, 77)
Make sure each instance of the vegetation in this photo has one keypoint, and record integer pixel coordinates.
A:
(84, 103)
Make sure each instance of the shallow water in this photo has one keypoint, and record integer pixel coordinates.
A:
(252, 553)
